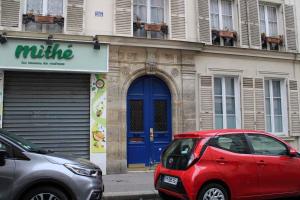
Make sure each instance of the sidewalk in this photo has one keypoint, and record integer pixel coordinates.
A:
(131, 186)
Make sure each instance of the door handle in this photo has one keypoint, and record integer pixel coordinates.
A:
(261, 163)
(221, 160)
(151, 134)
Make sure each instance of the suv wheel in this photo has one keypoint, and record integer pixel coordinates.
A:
(45, 193)
(213, 191)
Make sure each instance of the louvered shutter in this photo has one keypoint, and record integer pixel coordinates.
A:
(244, 30)
(10, 13)
(259, 104)
(294, 108)
(255, 38)
(204, 24)
(123, 18)
(248, 104)
(290, 36)
(75, 16)
(178, 28)
(206, 103)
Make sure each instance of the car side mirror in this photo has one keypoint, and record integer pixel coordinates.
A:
(3, 155)
(293, 152)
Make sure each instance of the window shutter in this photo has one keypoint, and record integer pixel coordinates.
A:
(255, 38)
(294, 108)
(248, 104)
(259, 104)
(178, 28)
(10, 13)
(123, 17)
(290, 36)
(74, 19)
(204, 24)
(206, 100)
(244, 32)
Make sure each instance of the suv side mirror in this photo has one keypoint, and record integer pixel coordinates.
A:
(293, 152)
(3, 155)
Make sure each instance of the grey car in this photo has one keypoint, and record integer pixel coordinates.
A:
(28, 172)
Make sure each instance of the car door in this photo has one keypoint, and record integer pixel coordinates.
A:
(6, 172)
(233, 159)
(278, 172)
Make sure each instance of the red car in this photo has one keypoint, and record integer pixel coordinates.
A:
(228, 165)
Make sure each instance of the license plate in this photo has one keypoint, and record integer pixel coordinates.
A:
(171, 180)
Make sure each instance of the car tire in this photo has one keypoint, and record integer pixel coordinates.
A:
(46, 192)
(165, 196)
(211, 190)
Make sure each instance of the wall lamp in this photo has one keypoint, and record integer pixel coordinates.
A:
(49, 41)
(96, 43)
(3, 38)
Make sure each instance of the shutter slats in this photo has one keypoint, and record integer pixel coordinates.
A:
(75, 16)
(10, 13)
(254, 24)
(248, 104)
(290, 28)
(259, 104)
(294, 108)
(123, 19)
(204, 24)
(178, 21)
(206, 99)
(244, 22)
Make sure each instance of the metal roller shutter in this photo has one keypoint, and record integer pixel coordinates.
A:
(49, 109)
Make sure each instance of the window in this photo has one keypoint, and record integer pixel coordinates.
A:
(2, 146)
(148, 12)
(43, 16)
(221, 14)
(268, 20)
(226, 97)
(275, 106)
(264, 145)
(235, 143)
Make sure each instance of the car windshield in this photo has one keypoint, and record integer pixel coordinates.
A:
(25, 144)
(178, 154)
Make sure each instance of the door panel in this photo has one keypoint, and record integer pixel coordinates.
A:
(148, 120)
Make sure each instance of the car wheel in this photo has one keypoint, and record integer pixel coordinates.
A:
(45, 193)
(165, 196)
(213, 191)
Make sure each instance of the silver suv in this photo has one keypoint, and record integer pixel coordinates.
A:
(28, 172)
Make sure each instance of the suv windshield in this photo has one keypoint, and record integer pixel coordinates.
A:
(25, 144)
(178, 154)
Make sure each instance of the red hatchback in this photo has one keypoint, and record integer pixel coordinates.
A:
(228, 164)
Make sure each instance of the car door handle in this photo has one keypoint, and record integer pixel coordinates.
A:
(261, 163)
(221, 160)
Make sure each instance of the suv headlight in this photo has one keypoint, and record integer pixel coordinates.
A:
(83, 171)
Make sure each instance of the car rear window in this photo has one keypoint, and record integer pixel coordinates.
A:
(178, 154)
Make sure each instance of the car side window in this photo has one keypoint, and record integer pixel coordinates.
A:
(3, 146)
(265, 145)
(236, 143)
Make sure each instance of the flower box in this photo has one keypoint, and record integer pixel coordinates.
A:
(44, 19)
(152, 27)
(275, 40)
(227, 34)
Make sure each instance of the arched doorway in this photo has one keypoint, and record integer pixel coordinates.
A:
(149, 128)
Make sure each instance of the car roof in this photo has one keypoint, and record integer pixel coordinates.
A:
(211, 133)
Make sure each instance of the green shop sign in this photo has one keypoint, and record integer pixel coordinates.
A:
(33, 55)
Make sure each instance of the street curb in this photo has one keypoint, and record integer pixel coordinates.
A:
(138, 195)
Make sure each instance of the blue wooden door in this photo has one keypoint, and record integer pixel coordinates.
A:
(149, 128)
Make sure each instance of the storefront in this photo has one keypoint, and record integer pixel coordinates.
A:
(55, 95)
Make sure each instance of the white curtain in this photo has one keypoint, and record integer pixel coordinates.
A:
(272, 16)
(55, 7)
(214, 14)
(157, 11)
(140, 10)
(35, 6)
(262, 19)
(227, 14)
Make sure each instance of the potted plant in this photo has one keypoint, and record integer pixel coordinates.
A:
(164, 28)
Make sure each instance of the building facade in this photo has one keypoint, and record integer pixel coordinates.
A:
(173, 66)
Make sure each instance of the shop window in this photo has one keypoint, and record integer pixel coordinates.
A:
(221, 19)
(43, 16)
(275, 103)
(226, 98)
(270, 38)
(149, 19)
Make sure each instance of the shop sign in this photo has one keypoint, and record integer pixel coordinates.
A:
(59, 56)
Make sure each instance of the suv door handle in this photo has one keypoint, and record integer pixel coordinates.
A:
(261, 163)
(221, 160)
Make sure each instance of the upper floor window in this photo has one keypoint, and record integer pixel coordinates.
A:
(268, 20)
(43, 16)
(221, 15)
(226, 97)
(149, 18)
(275, 101)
